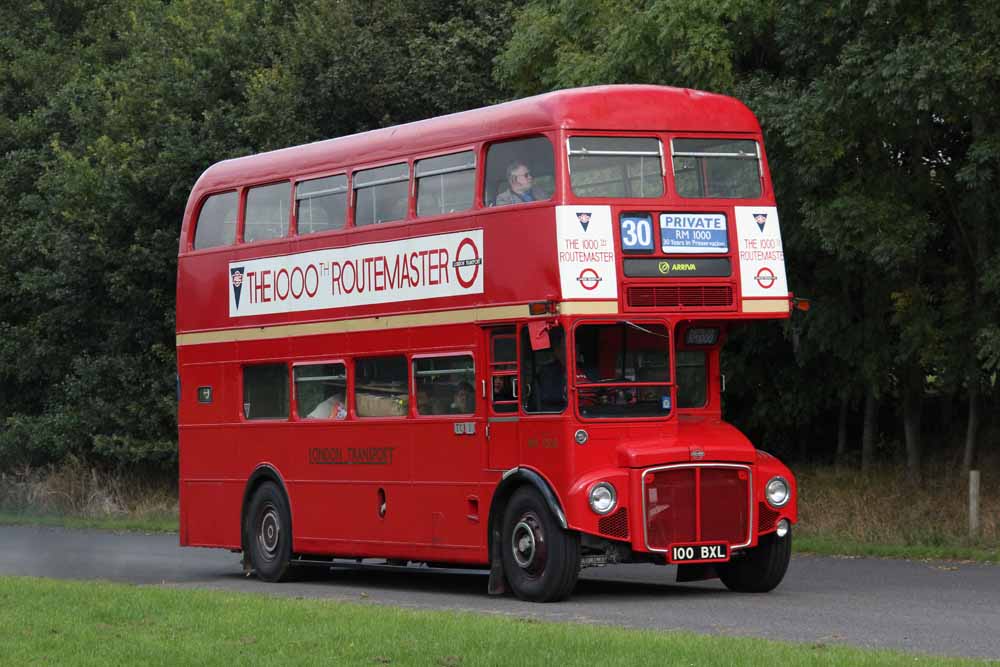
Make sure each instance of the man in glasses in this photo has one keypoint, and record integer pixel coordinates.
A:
(520, 186)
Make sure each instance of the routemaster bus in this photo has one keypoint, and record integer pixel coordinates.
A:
(489, 339)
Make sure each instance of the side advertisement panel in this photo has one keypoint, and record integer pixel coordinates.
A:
(424, 267)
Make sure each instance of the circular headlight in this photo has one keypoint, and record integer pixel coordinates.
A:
(603, 497)
(777, 492)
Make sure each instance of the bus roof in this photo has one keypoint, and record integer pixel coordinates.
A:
(616, 108)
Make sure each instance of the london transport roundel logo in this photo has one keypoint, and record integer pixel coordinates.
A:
(765, 278)
(589, 280)
(467, 263)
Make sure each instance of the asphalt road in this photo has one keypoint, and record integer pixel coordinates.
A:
(938, 608)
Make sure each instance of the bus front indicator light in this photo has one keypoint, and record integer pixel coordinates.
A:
(603, 498)
(782, 528)
(777, 492)
(581, 437)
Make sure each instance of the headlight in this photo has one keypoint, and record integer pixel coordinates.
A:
(603, 497)
(777, 492)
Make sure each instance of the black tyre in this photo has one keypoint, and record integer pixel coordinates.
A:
(540, 560)
(761, 569)
(269, 533)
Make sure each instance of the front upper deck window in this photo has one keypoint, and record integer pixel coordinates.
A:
(623, 370)
(446, 184)
(519, 172)
(717, 168)
(321, 204)
(217, 222)
(267, 212)
(625, 167)
(381, 194)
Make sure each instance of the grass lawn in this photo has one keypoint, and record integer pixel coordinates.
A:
(157, 524)
(44, 622)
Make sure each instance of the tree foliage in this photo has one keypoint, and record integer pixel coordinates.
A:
(880, 121)
(108, 113)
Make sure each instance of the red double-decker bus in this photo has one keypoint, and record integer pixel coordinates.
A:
(487, 339)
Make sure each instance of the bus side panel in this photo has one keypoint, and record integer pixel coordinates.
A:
(337, 470)
(209, 494)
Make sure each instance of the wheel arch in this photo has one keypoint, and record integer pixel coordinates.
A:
(512, 480)
(264, 472)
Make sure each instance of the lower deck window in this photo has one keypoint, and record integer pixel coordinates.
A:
(445, 385)
(265, 391)
(321, 391)
(381, 387)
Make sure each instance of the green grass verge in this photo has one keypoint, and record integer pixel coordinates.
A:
(157, 524)
(823, 545)
(46, 621)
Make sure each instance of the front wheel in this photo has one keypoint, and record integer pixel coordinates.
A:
(269, 533)
(761, 569)
(540, 560)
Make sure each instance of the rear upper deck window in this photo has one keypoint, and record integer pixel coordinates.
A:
(445, 184)
(217, 222)
(519, 172)
(381, 194)
(717, 168)
(321, 204)
(267, 212)
(626, 167)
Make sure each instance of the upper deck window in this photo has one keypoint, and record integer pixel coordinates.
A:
(717, 168)
(616, 166)
(321, 204)
(267, 212)
(217, 222)
(519, 171)
(381, 194)
(445, 184)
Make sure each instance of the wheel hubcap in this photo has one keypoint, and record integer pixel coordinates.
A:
(528, 544)
(269, 533)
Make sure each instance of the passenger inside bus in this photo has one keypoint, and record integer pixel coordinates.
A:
(464, 401)
(332, 407)
(520, 186)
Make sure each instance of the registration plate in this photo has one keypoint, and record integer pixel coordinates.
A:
(704, 552)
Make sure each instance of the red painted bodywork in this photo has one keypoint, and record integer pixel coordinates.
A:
(439, 487)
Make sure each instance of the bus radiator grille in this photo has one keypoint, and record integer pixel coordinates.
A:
(678, 296)
(615, 525)
(768, 517)
(673, 494)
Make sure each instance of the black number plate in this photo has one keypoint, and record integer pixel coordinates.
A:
(707, 552)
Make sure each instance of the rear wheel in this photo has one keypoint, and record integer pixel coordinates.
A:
(269, 533)
(540, 560)
(761, 569)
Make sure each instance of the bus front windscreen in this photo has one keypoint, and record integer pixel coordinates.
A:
(623, 370)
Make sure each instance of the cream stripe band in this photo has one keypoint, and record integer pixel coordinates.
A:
(465, 316)
(765, 305)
